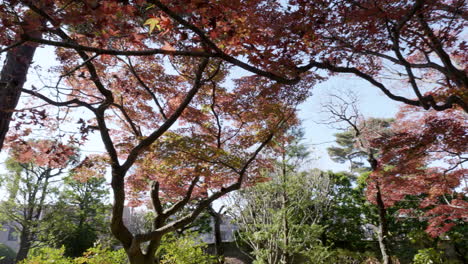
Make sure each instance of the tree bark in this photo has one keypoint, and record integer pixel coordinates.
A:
(218, 249)
(140, 259)
(285, 256)
(25, 244)
(383, 229)
(13, 75)
(382, 234)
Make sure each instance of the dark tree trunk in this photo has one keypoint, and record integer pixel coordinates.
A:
(13, 77)
(285, 256)
(460, 253)
(25, 245)
(140, 259)
(219, 251)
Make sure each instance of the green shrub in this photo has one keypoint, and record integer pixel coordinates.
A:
(7, 255)
(428, 256)
(173, 250)
(344, 256)
(47, 255)
(184, 250)
(96, 255)
(99, 255)
(318, 254)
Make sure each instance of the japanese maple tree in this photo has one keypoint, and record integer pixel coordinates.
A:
(425, 158)
(171, 137)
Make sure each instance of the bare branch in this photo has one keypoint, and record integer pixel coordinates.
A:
(70, 103)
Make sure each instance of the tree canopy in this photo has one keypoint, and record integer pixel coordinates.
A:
(157, 81)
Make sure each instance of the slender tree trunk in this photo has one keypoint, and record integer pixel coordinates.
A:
(219, 251)
(284, 204)
(383, 229)
(382, 234)
(13, 75)
(285, 256)
(25, 244)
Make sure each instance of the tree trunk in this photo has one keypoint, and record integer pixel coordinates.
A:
(285, 256)
(13, 75)
(383, 229)
(382, 234)
(140, 259)
(25, 245)
(218, 249)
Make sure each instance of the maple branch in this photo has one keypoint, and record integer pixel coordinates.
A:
(448, 203)
(218, 122)
(177, 206)
(79, 66)
(412, 65)
(234, 169)
(92, 70)
(429, 64)
(140, 238)
(365, 76)
(221, 54)
(449, 102)
(14, 45)
(155, 198)
(206, 202)
(458, 10)
(395, 36)
(243, 123)
(68, 103)
(458, 76)
(416, 7)
(143, 84)
(121, 107)
(170, 121)
(101, 51)
(100, 111)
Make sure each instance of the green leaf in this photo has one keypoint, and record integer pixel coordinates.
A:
(152, 22)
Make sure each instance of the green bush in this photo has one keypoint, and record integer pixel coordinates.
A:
(47, 255)
(344, 256)
(173, 250)
(96, 255)
(184, 250)
(7, 255)
(428, 256)
(318, 254)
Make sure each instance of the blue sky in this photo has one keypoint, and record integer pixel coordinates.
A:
(372, 103)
